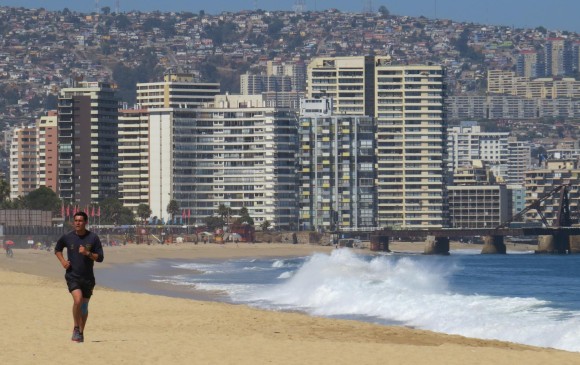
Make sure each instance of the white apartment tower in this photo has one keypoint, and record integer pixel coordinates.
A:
(411, 153)
(234, 151)
(257, 84)
(170, 105)
(240, 153)
(134, 157)
(519, 160)
(467, 142)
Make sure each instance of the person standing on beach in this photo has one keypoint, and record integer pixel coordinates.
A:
(83, 248)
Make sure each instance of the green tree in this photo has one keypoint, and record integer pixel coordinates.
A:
(245, 217)
(542, 30)
(212, 223)
(113, 212)
(224, 212)
(384, 11)
(275, 27)
(173, 208)
(265, 225)
(4, 190)
(122, 22)
(143, 211)
(42, 198)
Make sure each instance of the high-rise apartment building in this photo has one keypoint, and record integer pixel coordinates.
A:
(47, 151)
(257, 84)
(411, 138)
(134, 157)
(295, 69)
(87, 143)
(407, 104)
(170, 104)
(468, 142)
(476, 200)
(239, 153)
(176, 91)
(23, 163)
(337, 176)
(233, 151)
(575, 51)
(527, 64)
(519, 160)
(349, 81)
(506, 82)
(558, 57)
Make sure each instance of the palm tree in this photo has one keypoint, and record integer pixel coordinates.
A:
(173, 208)
(223, 211)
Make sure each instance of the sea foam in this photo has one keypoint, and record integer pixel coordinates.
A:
(413, 291)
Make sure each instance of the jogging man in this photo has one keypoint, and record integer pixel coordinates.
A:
(83, 248)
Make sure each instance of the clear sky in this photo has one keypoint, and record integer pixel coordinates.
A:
(552, 14)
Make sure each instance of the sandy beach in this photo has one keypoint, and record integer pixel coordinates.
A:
(133, 328)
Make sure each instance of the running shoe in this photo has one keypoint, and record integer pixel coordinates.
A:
(77, 335)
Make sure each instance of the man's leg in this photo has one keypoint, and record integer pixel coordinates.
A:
(77, 295)
(84, 313)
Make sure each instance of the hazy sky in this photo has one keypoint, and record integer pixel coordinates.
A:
(552, 14)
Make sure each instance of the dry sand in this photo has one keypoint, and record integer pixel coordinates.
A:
(131, 328)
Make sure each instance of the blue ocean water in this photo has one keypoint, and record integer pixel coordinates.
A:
(522, 298)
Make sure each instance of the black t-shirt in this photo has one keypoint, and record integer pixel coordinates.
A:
(80, 265)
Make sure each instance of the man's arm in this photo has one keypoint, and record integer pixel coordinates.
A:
(60, 245)
(60, 257)
(99, 250)
(96, 253)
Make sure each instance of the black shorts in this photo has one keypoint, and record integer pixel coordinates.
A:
(75, 282)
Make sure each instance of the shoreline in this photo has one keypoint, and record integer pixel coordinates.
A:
(133, 327)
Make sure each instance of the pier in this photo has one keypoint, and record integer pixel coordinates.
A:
(551, 240)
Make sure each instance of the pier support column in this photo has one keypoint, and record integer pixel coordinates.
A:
(436, 245)
(493, 245)
(574, 242)
(557, 243)
(380, 243)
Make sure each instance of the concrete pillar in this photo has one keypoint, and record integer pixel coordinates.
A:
(493, 245)
(545, 244)
(556, 243)
(574, 244)
(436, 245)
(380, 243)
